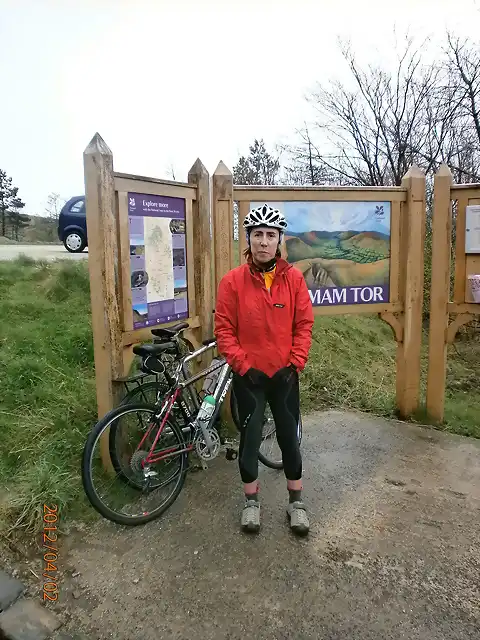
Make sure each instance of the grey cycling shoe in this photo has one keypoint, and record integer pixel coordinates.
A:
(297, 514)
(251, 516)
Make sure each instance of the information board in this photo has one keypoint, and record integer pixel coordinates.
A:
(158, 259)
(472, 229)
(342, 249)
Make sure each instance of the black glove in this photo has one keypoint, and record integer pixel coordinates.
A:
(256, 378)
(285, 374)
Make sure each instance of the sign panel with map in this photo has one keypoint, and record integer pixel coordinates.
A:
(158, 267)
(342, 249)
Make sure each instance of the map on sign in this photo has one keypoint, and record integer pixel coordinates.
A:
(157, 259)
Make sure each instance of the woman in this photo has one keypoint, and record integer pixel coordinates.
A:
(263, 326)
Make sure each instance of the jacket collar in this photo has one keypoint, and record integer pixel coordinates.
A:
(281, 267)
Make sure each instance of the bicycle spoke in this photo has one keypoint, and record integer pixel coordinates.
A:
(143, 480)
(269, 447)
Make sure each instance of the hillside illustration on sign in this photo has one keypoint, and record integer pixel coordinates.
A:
(342, 249)
(157, 259)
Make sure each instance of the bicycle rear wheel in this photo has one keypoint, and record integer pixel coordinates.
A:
(150, 393)
(270, 453)
(129, 493)
(145, 393)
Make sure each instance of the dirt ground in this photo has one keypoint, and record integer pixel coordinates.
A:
(394, 548)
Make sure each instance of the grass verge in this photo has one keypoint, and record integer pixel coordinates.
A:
(47, 391)
(351, 365)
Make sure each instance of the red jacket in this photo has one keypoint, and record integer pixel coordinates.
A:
(263, 329)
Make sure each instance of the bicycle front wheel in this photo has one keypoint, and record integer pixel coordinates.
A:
(134, 491)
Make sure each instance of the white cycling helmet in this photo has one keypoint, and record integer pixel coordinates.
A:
(265, 216)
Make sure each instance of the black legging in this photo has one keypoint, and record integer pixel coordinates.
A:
(284, 400)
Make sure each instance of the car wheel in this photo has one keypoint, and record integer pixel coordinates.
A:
(74, 242)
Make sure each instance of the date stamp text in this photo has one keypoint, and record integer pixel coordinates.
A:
(50, 556)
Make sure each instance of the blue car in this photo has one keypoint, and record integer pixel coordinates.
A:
(72, 225)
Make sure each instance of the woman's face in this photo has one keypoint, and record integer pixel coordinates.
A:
(263, 244)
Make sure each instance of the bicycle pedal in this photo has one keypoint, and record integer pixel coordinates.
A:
(231, 454)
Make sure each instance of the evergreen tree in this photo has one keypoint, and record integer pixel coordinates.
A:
(10, 205)
(259, 167)
(16, 219)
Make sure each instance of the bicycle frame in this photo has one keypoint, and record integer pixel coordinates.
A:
(176, 393)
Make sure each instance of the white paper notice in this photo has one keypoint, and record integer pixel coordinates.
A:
(472, 229)
(158, 259)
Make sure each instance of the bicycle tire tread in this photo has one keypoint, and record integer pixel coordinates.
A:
(88, 487)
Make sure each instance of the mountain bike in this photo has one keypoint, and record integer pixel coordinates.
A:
(149, 391)
(149, 449)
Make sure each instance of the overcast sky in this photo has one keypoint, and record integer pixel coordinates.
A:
(165, 82)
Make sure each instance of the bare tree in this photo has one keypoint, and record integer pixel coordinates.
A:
(305, 166)
(171, 172)
(464, 66)
(371, 133)
(54, 206)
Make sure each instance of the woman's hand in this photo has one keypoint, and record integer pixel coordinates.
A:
(285, 374)
(256, 377)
